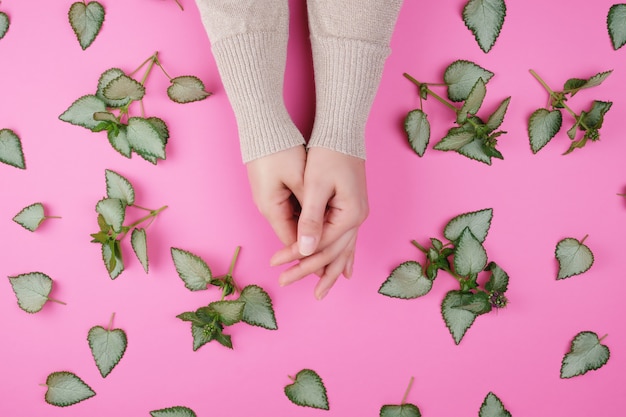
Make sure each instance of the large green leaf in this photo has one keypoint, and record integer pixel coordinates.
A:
(461, 76)
(457, 319)
(32, 290)
(574, 85)
(81, 112)
(11, 152)
(144, 138)
(574, 257)
(194, 272)
(86, 20)
(478, 222)
(123, 88)
(307, 390)
(493, 407)
(543, 125)
(107, 347)
(113, 210)
(176, 411)
(417, 129)
(187, 88)
(65, 388)
(586, 354)
(258, 309)
(470, 257)
(119, 187)
(30, 217)
(105, 78)
(616, 25)
(406, 281)
(485, 19)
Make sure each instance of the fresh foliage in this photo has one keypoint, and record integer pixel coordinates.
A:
(32, 291)
(574, 257)
(108, 109)
(65, 388)
(404, 409)
(485, 19)
(545, 123)
(253, 306)
(464, 258)
(31, 217)
(493, 407)
(111, 216)
(472, 136)
(307, 390)
(86, 21)
(5, 22)
(586, 353)
(176, 411)
(616, 25)
(107, 346)
(11, 152)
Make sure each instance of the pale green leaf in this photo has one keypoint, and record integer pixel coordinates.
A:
(574, 85)
(573, 256)
(86, 20)
(461, 76)
(186, 88)
(123, 88)
(139, 242)
(473, 102)
(497, 117)
(586, 353)
(105, 116)
(119, 187)
(30, 217)
(161, 128)
(194, 272)
(5, 22)
(307, 390)
(107, 347)
(475, 150)
(81, 112)
(499, 279)
(32, 290)
(11, 152)
(105, 78)
(478, 223)
(403, 410)
(176, 411)
(417, 129)
(113, 210)
(406, 281)
(543, 125)
(119, 141)
(114, 264)
(65, 388)
(200, 336)
(493, 407)
(454, 140)
(258, 309)
(485, 19)
(144, 138)
(470, 256)
(616, 25)
(230, 312)
(458, 320)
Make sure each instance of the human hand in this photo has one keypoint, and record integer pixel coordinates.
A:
(334, 205)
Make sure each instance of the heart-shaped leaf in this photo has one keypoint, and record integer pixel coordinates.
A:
(574, 257)
(80, 113)
(113, 210)
(543, 125)
(470, 257)
(406, 281)
(461, 76)
(404, 410)
(194, 272)
(30, 217)
(5, 22)
(616, 25)
(123, 89)
(258, 309)
(485, 19)
(457, 319)
(32, 290)
(586, 353)
(86, 20)
(11, 152)
(65, 388)
(144, 138)
(307, 390)
(417, 129)
(478, 223)
(187, 88)
(107, 347)
(493, 407)
(176, 411)
(119, 187)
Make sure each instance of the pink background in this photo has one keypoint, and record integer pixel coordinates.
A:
(364, 345)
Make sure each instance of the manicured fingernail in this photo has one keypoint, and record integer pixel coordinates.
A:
(306, 245)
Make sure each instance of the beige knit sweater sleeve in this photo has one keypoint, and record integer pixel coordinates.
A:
(350, 43)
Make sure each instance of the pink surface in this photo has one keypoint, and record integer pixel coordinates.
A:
(364, 346)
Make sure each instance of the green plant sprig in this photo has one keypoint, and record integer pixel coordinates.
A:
(545, 123)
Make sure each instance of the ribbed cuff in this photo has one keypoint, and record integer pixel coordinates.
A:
(347, 76)
(252, 67)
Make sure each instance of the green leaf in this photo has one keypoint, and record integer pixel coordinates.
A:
(11, 152)
(493, 407)
(119, 140)
(65, 388)
(112, 259)
(473, 102)
(594, 118)
(86, 21)
(573, 256)
(586, 353)
(119, 187)
(32, 290)
(404, 410)
(30, 217)
(177, 411)
(477, 303)
(194, 272)
(123, 88)
(107, 347)
(456, 138)
(258, 309)
(485, 19)
(200, 336)
(406, 281)
(478, 151)
(113, 210)
(81, 112)
(470, 256)
(161, 128)
(457, 320)
(186, 88)
(574, 85)
(5, 22)
(497, 117)
(543, 125)
(307, 390)
(105, 78)
(105, 116)
(616, 25)
(139, 242)
(499, 279)
(478, 223)
(144, 138)
(461, 76)
(230, 312)
(417, 129)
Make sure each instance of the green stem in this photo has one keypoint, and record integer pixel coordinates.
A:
(603, 337)
(420, 247)
(583, 239)
(141, 208)
(141, 66)
(57, 301)
(153, 213)
(52, 217)
(152, 60)
(233, 261)
(408, 389)
(111, 322)
(432, 93)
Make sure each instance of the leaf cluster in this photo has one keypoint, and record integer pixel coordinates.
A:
(472, 136)
(545, 123)
(464, 257)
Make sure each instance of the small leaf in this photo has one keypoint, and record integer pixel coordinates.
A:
(139, 242)
(187, 88)
(573, 256)
(177, 411)
(574, 85)
(194, 272)
(456, 138)
(477, 151)
(616, 25)
(105, 78)
(457, 320)
(5, 22)
(258, 309)
(417, 129)
(161, 128)
(485, 19)
(470, 256)
(461, 76)
(30, 217)
(31, 290)
(497, 117)
(308, 390)
(493, 407)
(594, 118)
(499, 280)
(11, 152)
(107, 347)
(86, 20)
(478, 223)
(119, 140)
(123, 88)
(406, 281)
(230, 312)
(113, 210)
(81, 112)
(585, 354)
(473, 102)
(119, 187)
(404, 410)
(144, 138)
(113, 260)
(543, 125)
(65, 388)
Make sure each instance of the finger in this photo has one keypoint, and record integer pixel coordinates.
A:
(283, 221)
(331, 274)
(347, 272)
(311, 219)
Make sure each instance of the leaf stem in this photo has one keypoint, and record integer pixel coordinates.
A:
(542, 82)
(603, 337)
(57, 301)
(179, 5)
(152, 60)
(408, 389)
(420, 247)
(233, 261)
(583, 239)
(111, 322)
(153, 213)
(52, 217)
(432, 93)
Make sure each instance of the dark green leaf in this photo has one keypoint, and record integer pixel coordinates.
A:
(11, 152)
(543, 125)
(485, 19)
(616, 25)
(86, 20)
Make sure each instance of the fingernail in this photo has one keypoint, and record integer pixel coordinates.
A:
(306, 245)
(323, 294)
(349, 268)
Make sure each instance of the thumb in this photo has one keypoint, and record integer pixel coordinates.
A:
(311, 221)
